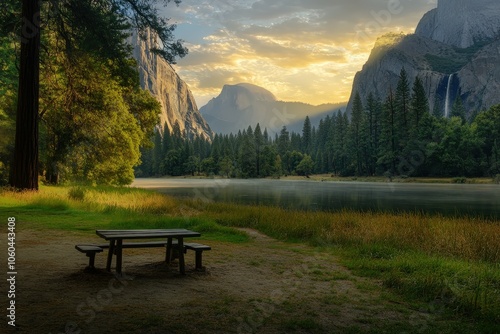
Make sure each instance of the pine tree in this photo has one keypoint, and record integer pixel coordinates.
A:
(414, 153)
(283, 142)
(402, 106)
(306, 136)
(388, 143)
(248, 156)
(158, 156)
(356, 134)
(374, 115)
(458, 109)
(419, 104)
(259, 144)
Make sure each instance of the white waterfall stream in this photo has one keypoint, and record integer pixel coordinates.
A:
(447, 102)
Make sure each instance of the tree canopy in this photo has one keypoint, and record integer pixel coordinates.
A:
(85, 76)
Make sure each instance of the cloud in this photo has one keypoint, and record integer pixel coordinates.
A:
(306, 50)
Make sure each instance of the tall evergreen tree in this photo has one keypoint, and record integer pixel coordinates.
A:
(402, 106)
(388, 145)
(247, 156)
(24, 172)
(306, 136)
(356, 135)
(419, 104)
(283, 142)
(458, 109)
(158, 155)
(259, 145)
(374, 115)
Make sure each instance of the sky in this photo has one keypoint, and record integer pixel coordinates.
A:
(300, 50)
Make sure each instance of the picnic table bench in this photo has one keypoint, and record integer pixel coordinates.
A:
(116, 244)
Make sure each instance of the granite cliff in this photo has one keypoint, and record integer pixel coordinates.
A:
(461, 23)
(455, 51)
(158, 76)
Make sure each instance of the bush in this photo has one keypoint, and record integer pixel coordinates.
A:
(77, 193)
(496, 180)
(460, 180)
(3, 174)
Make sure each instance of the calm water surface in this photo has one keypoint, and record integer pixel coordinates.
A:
(482, 200)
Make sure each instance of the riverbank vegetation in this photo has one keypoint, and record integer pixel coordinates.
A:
(447, 266)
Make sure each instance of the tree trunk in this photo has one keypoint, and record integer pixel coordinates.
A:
(24, 174)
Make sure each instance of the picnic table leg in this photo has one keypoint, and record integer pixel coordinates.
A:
(168, 256)
(180, 245)
(119, 256)
(110, 254)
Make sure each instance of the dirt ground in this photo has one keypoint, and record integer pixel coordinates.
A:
(263, 286)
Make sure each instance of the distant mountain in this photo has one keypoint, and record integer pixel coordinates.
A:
(177, 101)
(241, 105)
(455, 51)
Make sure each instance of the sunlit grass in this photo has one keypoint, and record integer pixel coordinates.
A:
(91, 208)
(464, 237)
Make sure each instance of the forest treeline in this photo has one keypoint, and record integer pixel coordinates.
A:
(397, 136)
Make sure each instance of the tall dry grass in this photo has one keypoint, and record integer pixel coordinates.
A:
(462, 237)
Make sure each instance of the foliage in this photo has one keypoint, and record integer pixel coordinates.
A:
(460, 180)
(73, 31)
(306, 166)
(8, 96)
(82, 129)
(447, 65)
(77, 193)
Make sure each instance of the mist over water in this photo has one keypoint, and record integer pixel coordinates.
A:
(448, 199)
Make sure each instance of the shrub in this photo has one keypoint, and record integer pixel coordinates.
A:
(77, 194)
(496, 180)
(460, 180)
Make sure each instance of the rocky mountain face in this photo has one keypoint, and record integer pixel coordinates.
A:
(177, 101)
(241, 105)
(461, 23)
(455, 51)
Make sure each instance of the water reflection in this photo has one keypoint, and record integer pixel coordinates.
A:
(482, 200)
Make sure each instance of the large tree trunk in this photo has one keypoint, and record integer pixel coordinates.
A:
(24, 174)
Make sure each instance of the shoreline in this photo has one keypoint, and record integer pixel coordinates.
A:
(331, 178)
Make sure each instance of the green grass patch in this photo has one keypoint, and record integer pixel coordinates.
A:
(449, 287)
(90, 208)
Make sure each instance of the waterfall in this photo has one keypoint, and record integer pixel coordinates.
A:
(447, 102)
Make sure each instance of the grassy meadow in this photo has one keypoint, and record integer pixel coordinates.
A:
(443, 265)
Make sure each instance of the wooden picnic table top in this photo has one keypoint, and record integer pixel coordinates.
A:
(116, 237)
(146, 234)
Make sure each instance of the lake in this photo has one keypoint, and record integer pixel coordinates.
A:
(480, 200)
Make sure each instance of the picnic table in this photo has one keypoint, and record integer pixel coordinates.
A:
(116, 238)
